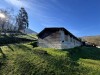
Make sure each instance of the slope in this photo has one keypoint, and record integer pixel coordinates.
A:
(23, 59)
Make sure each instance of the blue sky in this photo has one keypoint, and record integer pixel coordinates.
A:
(80, 17)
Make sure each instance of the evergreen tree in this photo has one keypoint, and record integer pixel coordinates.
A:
(22, 19)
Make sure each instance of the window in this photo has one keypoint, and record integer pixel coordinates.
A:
(66, 38)
(62, 41)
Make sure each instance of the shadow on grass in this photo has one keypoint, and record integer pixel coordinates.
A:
(85, 53)
(3, 59)
(11, 40)
(46, 65)
(54, 65)
(24, 67)
(23, 47)
(3, 55)
(10, 47)
(61, 65)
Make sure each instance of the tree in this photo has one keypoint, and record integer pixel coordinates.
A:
(22, 20)
(4, 20)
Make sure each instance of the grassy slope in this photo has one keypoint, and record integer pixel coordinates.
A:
(23, 59)
(11, 39)
(28, 36)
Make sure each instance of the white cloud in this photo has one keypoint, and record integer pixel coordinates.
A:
(18, 3)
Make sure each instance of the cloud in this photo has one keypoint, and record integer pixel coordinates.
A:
(19, 3)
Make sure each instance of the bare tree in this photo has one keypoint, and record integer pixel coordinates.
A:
(7, 20)
(3, 19)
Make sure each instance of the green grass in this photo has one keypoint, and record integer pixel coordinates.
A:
(23, 59)
(7, 39)
(28, 36)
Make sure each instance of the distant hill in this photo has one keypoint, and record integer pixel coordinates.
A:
(92, 39)
(29, 31)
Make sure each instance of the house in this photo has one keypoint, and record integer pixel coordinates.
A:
(58, 38)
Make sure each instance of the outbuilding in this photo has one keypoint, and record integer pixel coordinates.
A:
(58, 38)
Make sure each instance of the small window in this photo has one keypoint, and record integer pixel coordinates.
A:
(62, 41)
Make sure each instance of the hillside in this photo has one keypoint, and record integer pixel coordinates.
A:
(92, 39)
(23, 59)
(29, 31)
(15, 38)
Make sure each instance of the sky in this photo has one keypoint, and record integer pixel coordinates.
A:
(80, 17)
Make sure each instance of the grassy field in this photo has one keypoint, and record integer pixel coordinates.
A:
(23, 59)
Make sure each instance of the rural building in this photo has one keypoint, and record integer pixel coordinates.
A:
(58, 38)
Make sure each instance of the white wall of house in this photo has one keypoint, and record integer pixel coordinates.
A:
(68, 41)
(58, 40)
(51, 41)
